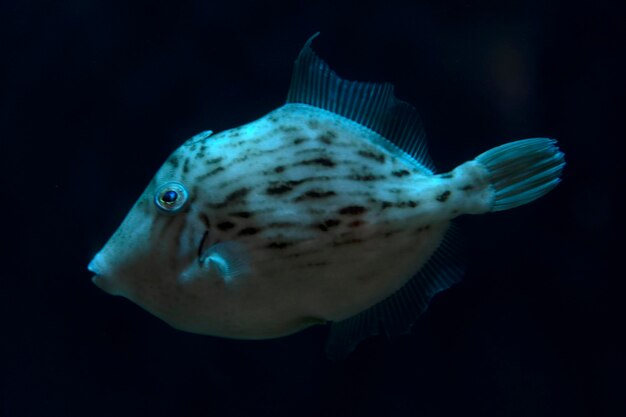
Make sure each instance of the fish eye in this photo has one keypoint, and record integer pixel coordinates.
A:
(171, 197)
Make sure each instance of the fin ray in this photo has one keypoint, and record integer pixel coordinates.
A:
(372, 105)
(522, 171)
(396, 314)
(228, 258)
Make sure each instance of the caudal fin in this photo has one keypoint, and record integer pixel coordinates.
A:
(522, 171)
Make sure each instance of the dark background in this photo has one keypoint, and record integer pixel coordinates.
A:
(95, 94)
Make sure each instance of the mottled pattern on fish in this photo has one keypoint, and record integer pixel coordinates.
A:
(306, 216)
(309, 196)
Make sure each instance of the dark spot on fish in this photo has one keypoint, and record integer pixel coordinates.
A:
(373, 155)
(332, 222)
(248, 231)
(279, 187)
(423, 228)
(401, 204)
(225, 225)
(409, 203)
(320, 150)
(352, 210)
(446, 176)
(234, 135)
(327, 137)
(455, 211)
(315, 194)
(205, 219)
(313, 124)
(174, 161)
(243, 214)
(213, 161)
(298, 141)
(356, 223)
(467, 187)
(443, 196)
(238, 194)
(186, 166)
(279, 245)
(272, 118)
(201, 245)
(327, 224)
(282, 224)
(400, 173)
(279, 169)
(347, 242)
(318, 161)
(232, 197)
(210, 173)
(201, 152)
(367, 177)
(288, 128)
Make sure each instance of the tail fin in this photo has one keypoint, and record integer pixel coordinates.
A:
(522, 171)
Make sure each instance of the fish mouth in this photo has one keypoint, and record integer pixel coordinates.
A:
(94, 266)
(101, 278)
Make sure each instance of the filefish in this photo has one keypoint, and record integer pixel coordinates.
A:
(326, 210)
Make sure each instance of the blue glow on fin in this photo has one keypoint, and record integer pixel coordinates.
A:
(228, 259)
(522, 171)
(372, 105)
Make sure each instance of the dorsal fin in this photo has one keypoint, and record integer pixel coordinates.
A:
(370, 104)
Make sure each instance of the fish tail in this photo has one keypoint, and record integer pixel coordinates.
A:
(522, 171)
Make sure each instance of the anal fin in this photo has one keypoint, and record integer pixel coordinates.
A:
(396, 314)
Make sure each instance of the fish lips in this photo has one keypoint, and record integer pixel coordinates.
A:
(99, 278)
(96, 269)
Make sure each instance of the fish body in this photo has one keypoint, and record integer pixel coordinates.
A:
(308, 215)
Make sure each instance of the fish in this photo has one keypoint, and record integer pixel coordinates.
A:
(325, 211)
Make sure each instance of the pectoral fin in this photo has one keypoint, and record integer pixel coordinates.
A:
(228, 259)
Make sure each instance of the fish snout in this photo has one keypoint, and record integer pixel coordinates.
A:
(102, 277)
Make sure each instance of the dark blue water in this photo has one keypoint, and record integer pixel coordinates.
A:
(95, 95)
